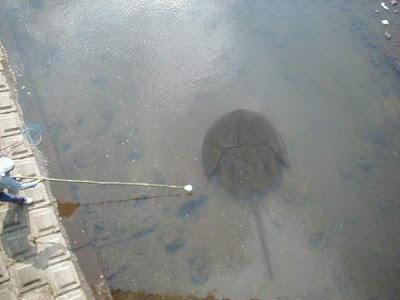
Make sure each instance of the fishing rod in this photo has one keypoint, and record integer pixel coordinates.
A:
(187, 187)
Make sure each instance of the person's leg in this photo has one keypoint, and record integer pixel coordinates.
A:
(5, 197)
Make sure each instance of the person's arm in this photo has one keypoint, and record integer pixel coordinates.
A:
(12, 184)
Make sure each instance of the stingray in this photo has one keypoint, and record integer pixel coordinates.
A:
(246, 154)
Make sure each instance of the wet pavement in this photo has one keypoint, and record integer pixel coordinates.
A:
(127, 91)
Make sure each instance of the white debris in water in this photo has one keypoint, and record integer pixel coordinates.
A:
(188, 188)
(384, 5)
(385, 22)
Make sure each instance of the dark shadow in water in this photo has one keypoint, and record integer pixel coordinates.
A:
(112, 277)
(317, 239)
(199, 271)
(245, 153)
(67, 208)
(99, 80)
(174, 246)
(190, 208)
(143, 232)
(37, 4)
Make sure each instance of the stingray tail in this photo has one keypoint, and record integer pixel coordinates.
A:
(262, 232)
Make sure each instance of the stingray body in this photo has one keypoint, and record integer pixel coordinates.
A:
(246, 154)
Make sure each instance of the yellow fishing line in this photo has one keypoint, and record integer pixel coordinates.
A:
(187, 187)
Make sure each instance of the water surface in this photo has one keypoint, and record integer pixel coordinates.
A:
(127, 91)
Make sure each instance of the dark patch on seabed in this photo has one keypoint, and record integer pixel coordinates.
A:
(114, 275)
(199, 272)
(174, 246)
(190, 209)
(37, 4)
(316, 239)
(143, 232)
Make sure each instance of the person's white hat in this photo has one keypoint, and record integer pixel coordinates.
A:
(6, 164)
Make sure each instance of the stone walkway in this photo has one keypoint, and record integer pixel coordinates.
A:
(35, 262)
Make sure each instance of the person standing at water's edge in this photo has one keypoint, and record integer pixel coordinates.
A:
(9, 183)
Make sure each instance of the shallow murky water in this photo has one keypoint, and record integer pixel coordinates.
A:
(127, 91)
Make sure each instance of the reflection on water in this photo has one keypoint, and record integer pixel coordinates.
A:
(127, 91)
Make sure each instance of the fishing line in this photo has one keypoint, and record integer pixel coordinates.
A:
(32, 133)
(67, 208)
(138, 198)
(187, 187)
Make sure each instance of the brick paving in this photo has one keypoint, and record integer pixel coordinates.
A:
(35, 261)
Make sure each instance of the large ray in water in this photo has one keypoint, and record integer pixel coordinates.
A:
(246, 154)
